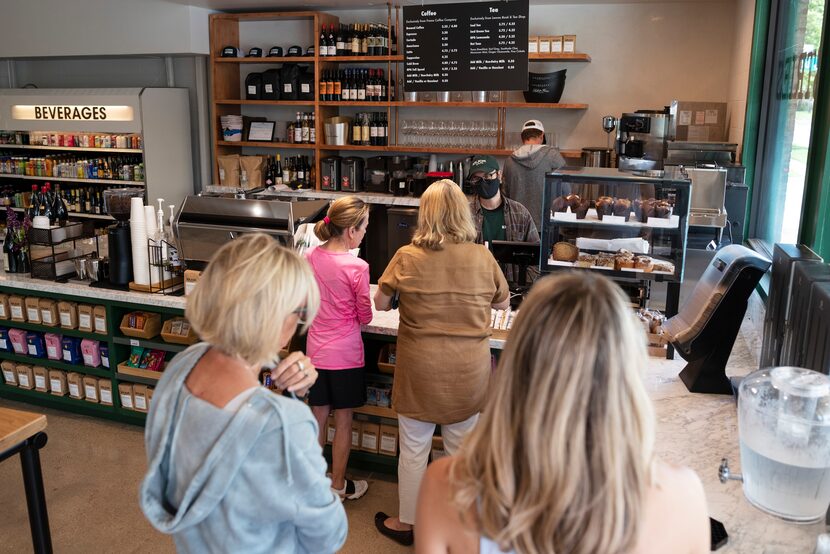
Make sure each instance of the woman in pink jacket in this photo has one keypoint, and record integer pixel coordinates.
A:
(335, 343)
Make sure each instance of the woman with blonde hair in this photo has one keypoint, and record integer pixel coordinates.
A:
(234, 467)
(446, 285)
(335, 342)
(563, 457)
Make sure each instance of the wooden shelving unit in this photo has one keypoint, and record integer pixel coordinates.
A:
(226, 79)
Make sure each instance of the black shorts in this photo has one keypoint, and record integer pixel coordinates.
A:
(339, 388)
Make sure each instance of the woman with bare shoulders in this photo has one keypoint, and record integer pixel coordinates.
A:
(562, 460)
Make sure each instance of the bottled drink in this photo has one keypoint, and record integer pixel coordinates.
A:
(357, 130)
(45, 209)
(340, 44)
(332, 41)
(59, 210)
(366, 131)
(394, 40)
(324, 44)
(324, 87)
(372, 41)
(88, 201)
(355, 50)
(269, 175)
(298, 129)
(8, 254)
(286, 173)
(338, 88)
(300, 173)
(99, 206)
(306, 135)
(276, 171)
(364, 41)
(312, 131)
(360, 86)
(34, 203)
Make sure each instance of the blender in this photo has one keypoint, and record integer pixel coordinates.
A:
(117, 204)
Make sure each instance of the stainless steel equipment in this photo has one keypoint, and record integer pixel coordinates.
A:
(641, 140)
(597, 156)
(708, 206)
(609, 124)
(206, 223)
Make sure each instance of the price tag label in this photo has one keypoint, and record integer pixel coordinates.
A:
(66, 319)
(33, 314)
(40, 382)
(106, 396)
(55, 385)
(74, 390)
(91, 392)
(127, 401)
(134, 342)
(24, 380)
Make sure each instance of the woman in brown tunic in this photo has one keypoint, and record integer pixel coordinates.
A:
(446, 286)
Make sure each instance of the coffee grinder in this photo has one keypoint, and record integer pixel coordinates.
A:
(117, 204)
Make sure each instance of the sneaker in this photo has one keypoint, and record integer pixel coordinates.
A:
(352, 490)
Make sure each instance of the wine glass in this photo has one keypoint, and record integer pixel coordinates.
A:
(406, 129)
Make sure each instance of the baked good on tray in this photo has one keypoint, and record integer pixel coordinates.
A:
(585, 260)
(662, 266)
(604, 206)
(565, 252)
(643, 262)
(637, 208)
(559, 204)
(582, 209)
(622, 207)
(604, 260)
(662, 209)
(623, 259)
(573, 201)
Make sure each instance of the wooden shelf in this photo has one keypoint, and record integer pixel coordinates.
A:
(403, 104)
(268, 144)
(71, 180)
(268, 59)
(545, 105)
(378, 411)
(573, 154)
(152, 344)
(362, 59)
(80, 215)
(99, 371)
(549, 57)
(72, 149)
(264, 102)
(330, 147)
(359, 103)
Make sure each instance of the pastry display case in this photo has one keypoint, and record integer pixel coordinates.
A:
(626, 225)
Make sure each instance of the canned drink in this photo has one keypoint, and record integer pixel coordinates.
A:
(268, 382)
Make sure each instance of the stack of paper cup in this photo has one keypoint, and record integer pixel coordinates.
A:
(138, 237)
(231, 127)
(150, 224)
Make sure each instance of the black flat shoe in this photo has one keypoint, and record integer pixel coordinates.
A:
(406, 538)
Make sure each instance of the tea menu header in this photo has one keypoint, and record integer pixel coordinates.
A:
(469, 46)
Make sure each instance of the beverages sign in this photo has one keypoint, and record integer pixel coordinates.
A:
(466, 46)
(72, 113)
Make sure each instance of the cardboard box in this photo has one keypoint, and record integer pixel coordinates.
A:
(369, 435)
(9, 372)
(140, 398)
(75, 385)
(698, 121)
(355, 435)
(25, 376)
(330, 428)
(68, 312)
(388, 440)
(191, 277)
(41, 375)
(32, 309)
(105, 391)
(99, 314)
(57, 382)
(49, 312)
(149, 395)
(85, 315)
(556, 44)
(17, 308)
(5, 313)
(125, 393)
(532, 45)
(91, 393)
(569, 44)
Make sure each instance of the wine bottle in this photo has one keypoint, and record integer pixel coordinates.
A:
(312, 131)
(300, 173)
(298, 129)
(366, 131)
(340, 45)
(338, 87)
(357, 130)
(332, 41)
(8, 254)
(373, 40)
(88, 202)
(355, 41)
(323, 50)
(364, 41)
(59, 210)
(286, 173)
(394, 40)
(276, 171)
(306, 135)
(34, 203)
(269, 176)
(360, 86)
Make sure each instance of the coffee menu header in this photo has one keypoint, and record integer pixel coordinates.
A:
(469, 46)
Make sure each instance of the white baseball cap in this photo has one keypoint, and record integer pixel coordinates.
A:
(533, 124)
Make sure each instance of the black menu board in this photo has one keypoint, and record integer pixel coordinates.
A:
(467, 46)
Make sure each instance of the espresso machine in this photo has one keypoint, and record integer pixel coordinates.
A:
(641, 139)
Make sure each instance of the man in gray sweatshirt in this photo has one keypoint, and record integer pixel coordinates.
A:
(524, 171)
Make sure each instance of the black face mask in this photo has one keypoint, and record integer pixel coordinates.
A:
(488, 188)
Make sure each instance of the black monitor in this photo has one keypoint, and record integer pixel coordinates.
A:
(522, 254)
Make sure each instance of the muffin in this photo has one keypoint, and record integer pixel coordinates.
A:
(637, 208)
(604, 206)
(647, 209)
(662, 209)
(559, 204)
(565, 252)
(573, 201)
(622, 207)
(582, 209)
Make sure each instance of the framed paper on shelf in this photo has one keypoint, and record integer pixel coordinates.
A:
(261, 131)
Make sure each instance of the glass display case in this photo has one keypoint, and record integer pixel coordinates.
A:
(627, 225)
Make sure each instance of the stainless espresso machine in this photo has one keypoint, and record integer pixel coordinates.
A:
(641, 139)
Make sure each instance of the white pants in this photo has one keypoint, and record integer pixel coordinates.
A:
(416, 443)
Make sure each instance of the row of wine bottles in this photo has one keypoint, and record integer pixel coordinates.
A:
(370, 129)
(297, 171)
(358, 39)
(355, 84)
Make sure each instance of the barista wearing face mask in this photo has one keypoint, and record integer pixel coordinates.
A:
(497, 217)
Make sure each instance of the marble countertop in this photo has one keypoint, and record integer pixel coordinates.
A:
(368, 197)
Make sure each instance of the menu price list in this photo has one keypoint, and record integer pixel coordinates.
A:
(469, 46)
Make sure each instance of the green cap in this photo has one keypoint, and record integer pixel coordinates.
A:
(487, 164)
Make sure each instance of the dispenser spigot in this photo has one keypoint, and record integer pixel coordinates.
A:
(725, 475)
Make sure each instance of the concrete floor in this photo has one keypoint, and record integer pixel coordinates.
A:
(91, 472)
